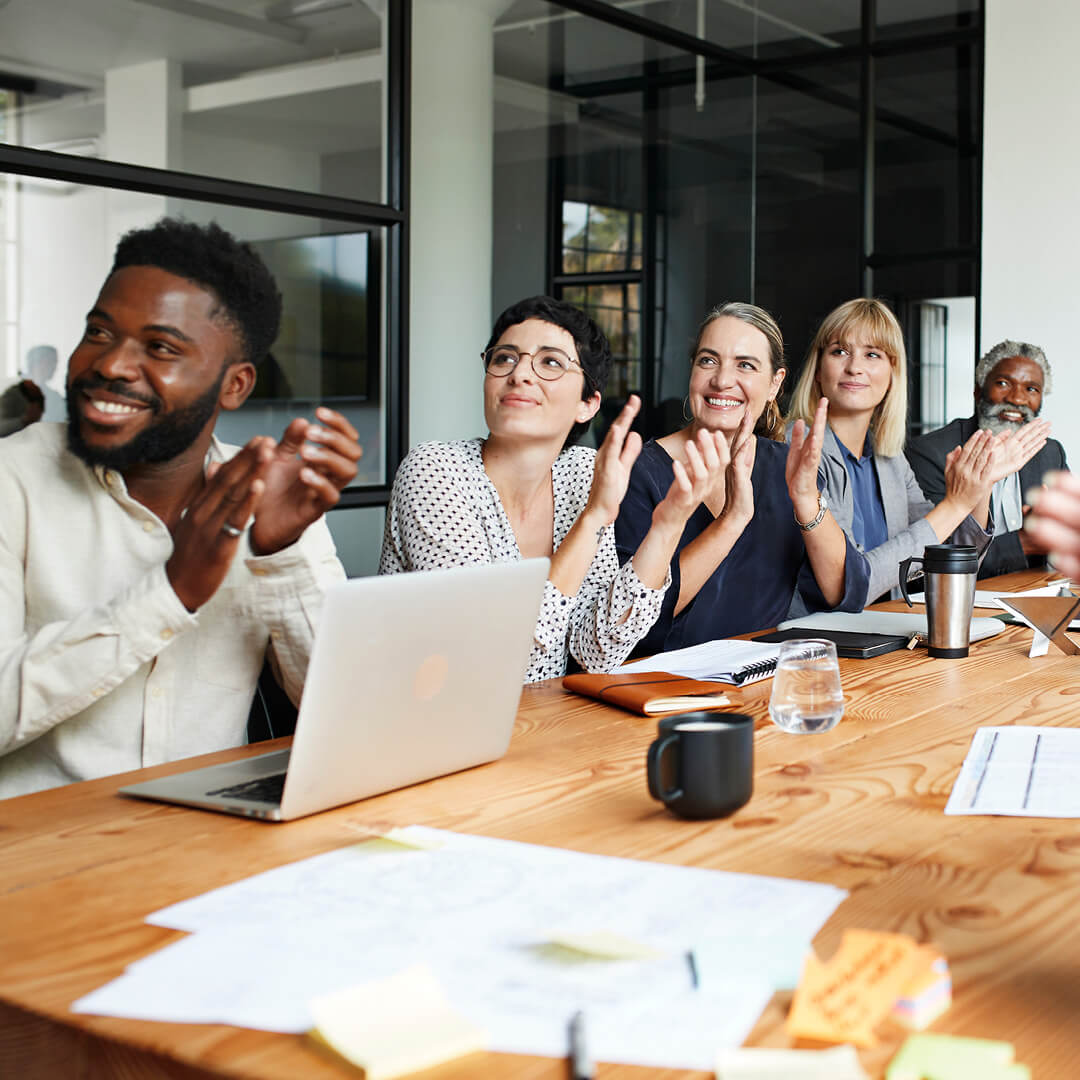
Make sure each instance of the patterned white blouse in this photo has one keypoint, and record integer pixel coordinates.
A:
(444, 511)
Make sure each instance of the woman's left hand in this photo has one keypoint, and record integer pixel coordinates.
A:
(704, 474)
(614, 460)
(803, 459)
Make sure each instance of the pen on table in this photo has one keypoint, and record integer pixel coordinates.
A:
(691, 963)
(581, 1068)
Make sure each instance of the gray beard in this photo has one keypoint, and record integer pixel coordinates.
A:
(989, 416)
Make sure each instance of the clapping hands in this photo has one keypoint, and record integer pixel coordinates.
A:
(304, 477)
(803, 460)
(614, 460)
(972, 470)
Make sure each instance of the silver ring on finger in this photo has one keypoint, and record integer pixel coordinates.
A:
(231, 530)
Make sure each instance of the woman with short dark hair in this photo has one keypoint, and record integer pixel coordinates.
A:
(527, 490)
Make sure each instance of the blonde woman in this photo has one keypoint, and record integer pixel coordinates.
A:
(858, 362)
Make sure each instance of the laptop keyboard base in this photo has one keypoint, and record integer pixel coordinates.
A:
(267, 789)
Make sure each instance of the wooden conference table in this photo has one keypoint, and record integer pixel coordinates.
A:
(859, 807)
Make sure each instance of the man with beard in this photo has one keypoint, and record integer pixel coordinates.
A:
(1010, 381)
(146, 570)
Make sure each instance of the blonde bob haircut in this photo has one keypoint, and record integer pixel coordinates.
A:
(860, 322)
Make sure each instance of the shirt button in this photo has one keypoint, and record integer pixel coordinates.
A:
(148, 526)
(166, 634)
(156, 692)
(98, 691)
(258, 571)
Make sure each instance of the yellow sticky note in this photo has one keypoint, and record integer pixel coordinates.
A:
(751, 1063)
(393, 1026)
(947, 1057)
(397, 838)
(604, 945)
(844, 1000)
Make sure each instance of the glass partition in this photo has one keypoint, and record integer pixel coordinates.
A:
(288, 94)
(330, 349)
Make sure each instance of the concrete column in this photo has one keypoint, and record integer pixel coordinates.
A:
(451, 214)
(144, 107)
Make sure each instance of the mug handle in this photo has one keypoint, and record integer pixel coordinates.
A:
(652, 771)
(904, 566)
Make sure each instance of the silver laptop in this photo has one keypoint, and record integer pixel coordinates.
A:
(412, 676)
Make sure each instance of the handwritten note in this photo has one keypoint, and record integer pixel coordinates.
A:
(845, 999)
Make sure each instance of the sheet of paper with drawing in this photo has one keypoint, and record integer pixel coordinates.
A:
(501, 926)
(1020, 772)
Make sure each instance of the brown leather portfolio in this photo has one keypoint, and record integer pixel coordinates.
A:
(649, 693)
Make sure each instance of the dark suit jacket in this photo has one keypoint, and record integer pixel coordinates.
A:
(927, 456)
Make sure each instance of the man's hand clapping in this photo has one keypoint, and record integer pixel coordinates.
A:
(304, 478)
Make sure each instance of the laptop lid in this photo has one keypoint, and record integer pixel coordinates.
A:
(411, 676)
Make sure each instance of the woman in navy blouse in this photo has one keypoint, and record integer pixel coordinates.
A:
(857, 361)
(762, 528)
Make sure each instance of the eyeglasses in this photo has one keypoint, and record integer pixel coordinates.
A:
(547, 362)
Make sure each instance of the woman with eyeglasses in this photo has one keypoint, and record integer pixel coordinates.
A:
(763, 529)
(527, 491)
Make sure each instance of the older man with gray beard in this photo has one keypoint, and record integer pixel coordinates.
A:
(1010, 381)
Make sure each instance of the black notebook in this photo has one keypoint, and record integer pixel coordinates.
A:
(848, 643)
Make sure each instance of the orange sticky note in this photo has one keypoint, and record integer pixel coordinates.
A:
(845, 999)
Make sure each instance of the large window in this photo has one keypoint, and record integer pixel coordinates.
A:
(601, 273)
(792, 155)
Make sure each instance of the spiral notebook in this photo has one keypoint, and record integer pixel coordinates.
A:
(726, 660)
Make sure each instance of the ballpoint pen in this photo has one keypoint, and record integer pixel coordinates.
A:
(581, 1067)
(691, 963)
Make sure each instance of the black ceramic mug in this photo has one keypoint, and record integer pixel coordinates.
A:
(702, 763)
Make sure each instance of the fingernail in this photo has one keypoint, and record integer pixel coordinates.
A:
(1032, 495)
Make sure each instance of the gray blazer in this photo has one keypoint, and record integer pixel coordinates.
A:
(905, 516)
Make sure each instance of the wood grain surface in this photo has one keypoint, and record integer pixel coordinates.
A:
(859, 807)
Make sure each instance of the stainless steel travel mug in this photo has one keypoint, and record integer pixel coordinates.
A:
(950, 571)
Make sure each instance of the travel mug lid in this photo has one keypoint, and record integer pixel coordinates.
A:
(950, 559)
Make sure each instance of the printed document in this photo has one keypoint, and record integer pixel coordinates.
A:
(1020, 771)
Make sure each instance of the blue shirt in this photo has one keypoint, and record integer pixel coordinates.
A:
(753, 587)
(868, 512)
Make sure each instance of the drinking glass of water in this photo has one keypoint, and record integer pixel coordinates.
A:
(806, 694)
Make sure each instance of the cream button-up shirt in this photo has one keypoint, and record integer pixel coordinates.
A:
(102, 669)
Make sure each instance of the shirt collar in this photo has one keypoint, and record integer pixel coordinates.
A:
(867, 450)
(113, 481)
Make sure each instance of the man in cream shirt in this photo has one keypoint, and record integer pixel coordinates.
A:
(145, 569)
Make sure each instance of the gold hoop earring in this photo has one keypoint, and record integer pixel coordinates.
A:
(773, 421)
(685, 408)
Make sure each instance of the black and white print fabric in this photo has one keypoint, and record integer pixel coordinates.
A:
(444, 511)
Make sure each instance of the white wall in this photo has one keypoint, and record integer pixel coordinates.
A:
(1031, 179)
